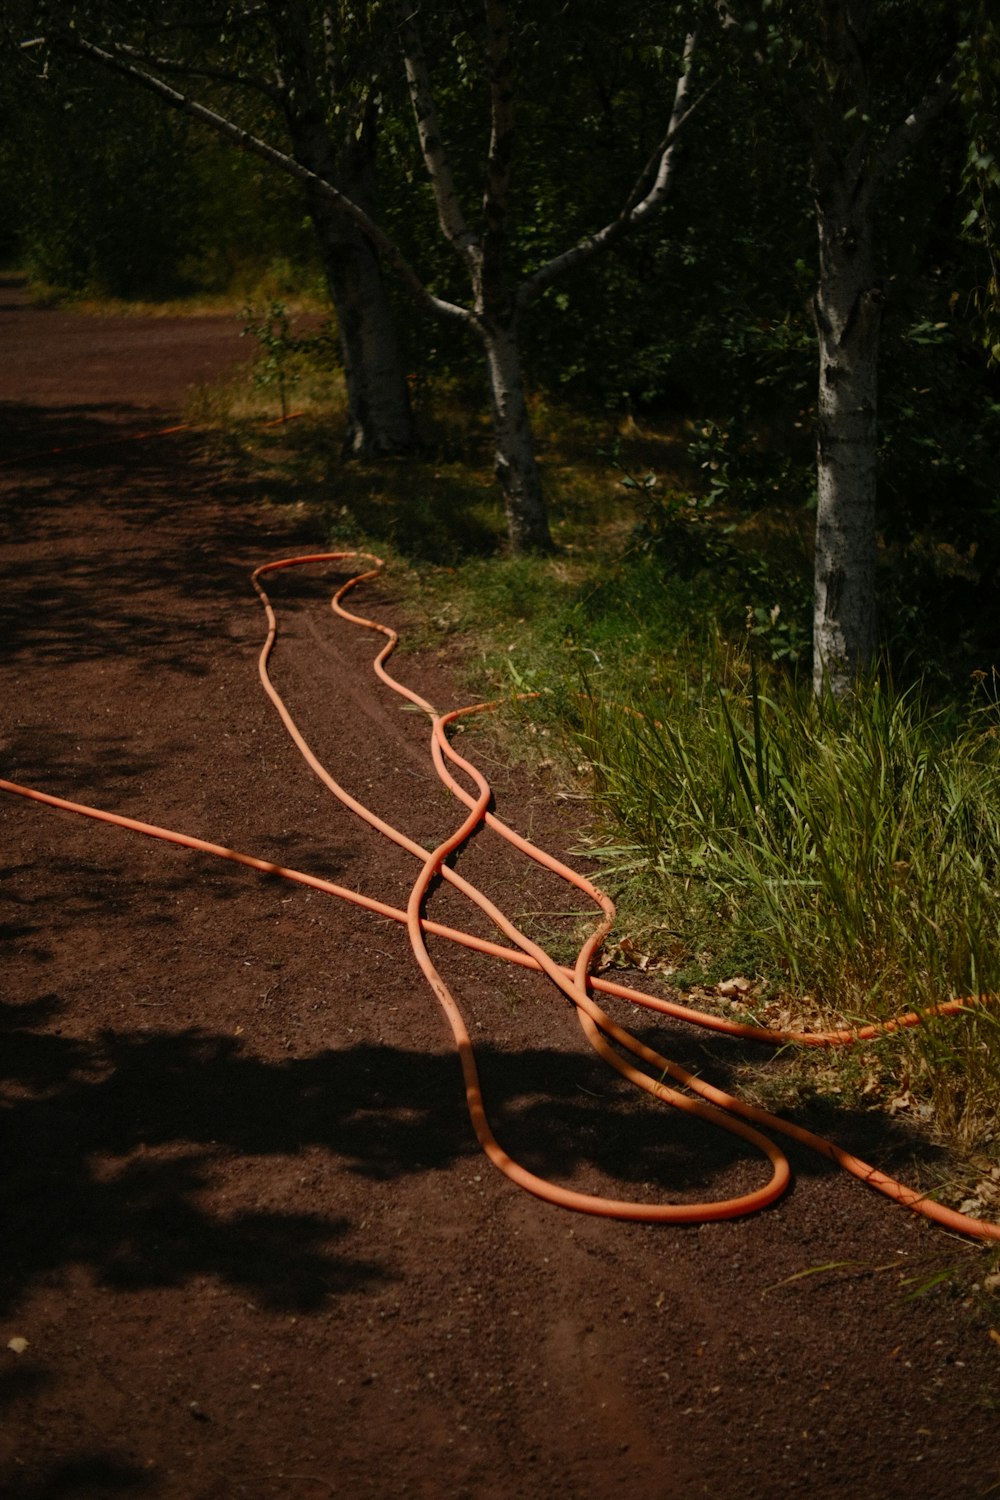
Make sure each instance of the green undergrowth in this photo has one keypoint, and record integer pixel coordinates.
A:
(847, 852)
(842, 858)
(839, 859)
(248, 283)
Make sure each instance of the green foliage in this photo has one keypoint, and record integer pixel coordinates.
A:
(748, 570)
(979, 90)
(111, 194)
(273, 366)
(101, 189)
(938, 496)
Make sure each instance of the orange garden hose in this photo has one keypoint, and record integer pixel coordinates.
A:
(577, 984)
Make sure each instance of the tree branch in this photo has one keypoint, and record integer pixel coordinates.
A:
(653, 165)
(911, 131)
(448, 311)
(215, 75)
(660, 167)
(450, 216)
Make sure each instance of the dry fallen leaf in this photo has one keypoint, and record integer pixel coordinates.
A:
(733, 987)
(18, 1344)
(995, 1335)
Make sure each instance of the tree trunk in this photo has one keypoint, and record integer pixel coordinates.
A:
(514, 450)
(379, 420)
(343, 156)
(848, 311)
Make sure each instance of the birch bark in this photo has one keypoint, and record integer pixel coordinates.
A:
(515, 464)
(497, 301)
(850, 174)
(493, 314)
(379, 419)
(848, 307)
(310, 89)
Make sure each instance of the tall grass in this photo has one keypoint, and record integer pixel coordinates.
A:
(852, 847)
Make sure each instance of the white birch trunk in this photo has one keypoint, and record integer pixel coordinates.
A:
(379, 419)
(848, 316)
(514, 449)
(850, 175)
(494, 313)
(308, 85)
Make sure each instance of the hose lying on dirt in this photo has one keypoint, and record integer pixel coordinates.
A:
(643, 1067)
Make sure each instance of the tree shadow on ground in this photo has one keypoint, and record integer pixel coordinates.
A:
(892, 1142)
(35, 435)
(172, 546)
(428, 507)
(83, 896)
(49, 757)
(115, 1146)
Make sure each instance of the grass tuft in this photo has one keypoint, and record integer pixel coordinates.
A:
(849, 851)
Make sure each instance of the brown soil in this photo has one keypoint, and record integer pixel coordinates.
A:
(248, 1235)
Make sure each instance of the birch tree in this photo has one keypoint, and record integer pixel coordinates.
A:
(314, 86)
(498, 295)
(851, 171)
(315, 69)
(846, 92)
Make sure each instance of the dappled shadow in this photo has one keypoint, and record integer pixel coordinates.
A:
(891, 1143)
(112, 1148)
(54, 897)
(82, 600)
(115, 1146)
(34, 436)
(426, 508)
(50, 758)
